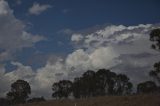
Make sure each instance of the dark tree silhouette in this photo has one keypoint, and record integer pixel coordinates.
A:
(19, 92)
(122, 85)
(155, 38)
(55, 89)
(78, 88)
(91, 83)
(104, 82)
(88, 79)
(4, 102)
(146, 87)
(155, 73)
(84, 86)
(62, 89)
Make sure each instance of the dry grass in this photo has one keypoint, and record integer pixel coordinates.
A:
(136, 100)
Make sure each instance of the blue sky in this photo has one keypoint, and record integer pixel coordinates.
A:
(78, 15)
(46, 37)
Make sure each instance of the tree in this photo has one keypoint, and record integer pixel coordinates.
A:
(77, 87)
(84, 86)
(128, 88)
(147, 87)
(55, 89)
(104, 82)
(122, 85)
(155, 73)
(155, 38)
(4, 102)
(88, 83)
(19, 92)
(62, 89)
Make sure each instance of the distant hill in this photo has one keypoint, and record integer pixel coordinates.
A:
(136, 100)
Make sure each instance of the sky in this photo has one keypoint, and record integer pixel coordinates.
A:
(43, 41)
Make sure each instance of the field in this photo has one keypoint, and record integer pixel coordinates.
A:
(136, 100)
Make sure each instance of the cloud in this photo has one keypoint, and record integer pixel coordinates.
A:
(37, 8)
(123, 49)
(119, 48)
(40, 80)
(22, 72)
(46, 76)
(76, 37)
(13, 34)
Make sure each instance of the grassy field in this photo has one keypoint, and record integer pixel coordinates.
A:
(136, 100)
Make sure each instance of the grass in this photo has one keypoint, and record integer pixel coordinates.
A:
(135, 100)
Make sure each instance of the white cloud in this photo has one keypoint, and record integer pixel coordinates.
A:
(46, 76)
(124, 50)
(13, 35)
(30, 38)
(40, 80)
(76, 37)
(37, 8)
(120, 48)
(115, 35)
(103, 57)
(4, 8)
(22, 72)
(78, 60)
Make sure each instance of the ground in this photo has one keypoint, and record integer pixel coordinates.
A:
(134, 100)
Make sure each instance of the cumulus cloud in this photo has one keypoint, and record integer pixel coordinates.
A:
(22, 72)
(76, 37)
(123, 49)
(37, 8)
(119, 48)
(13, 35)
(40, 80)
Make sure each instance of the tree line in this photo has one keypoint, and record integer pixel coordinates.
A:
(104, 82)
(90, 84)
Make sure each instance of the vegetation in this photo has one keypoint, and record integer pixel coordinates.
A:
(62, 89)
(19, 92)
(134, 100)
(155, 38)
(147, 87)
(90, 84)
(150, 86)
(4, 102)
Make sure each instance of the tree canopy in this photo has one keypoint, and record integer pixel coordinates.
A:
(62, 89)
(19, 91)
(147, 87)
(155, 38)
(91, 83)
